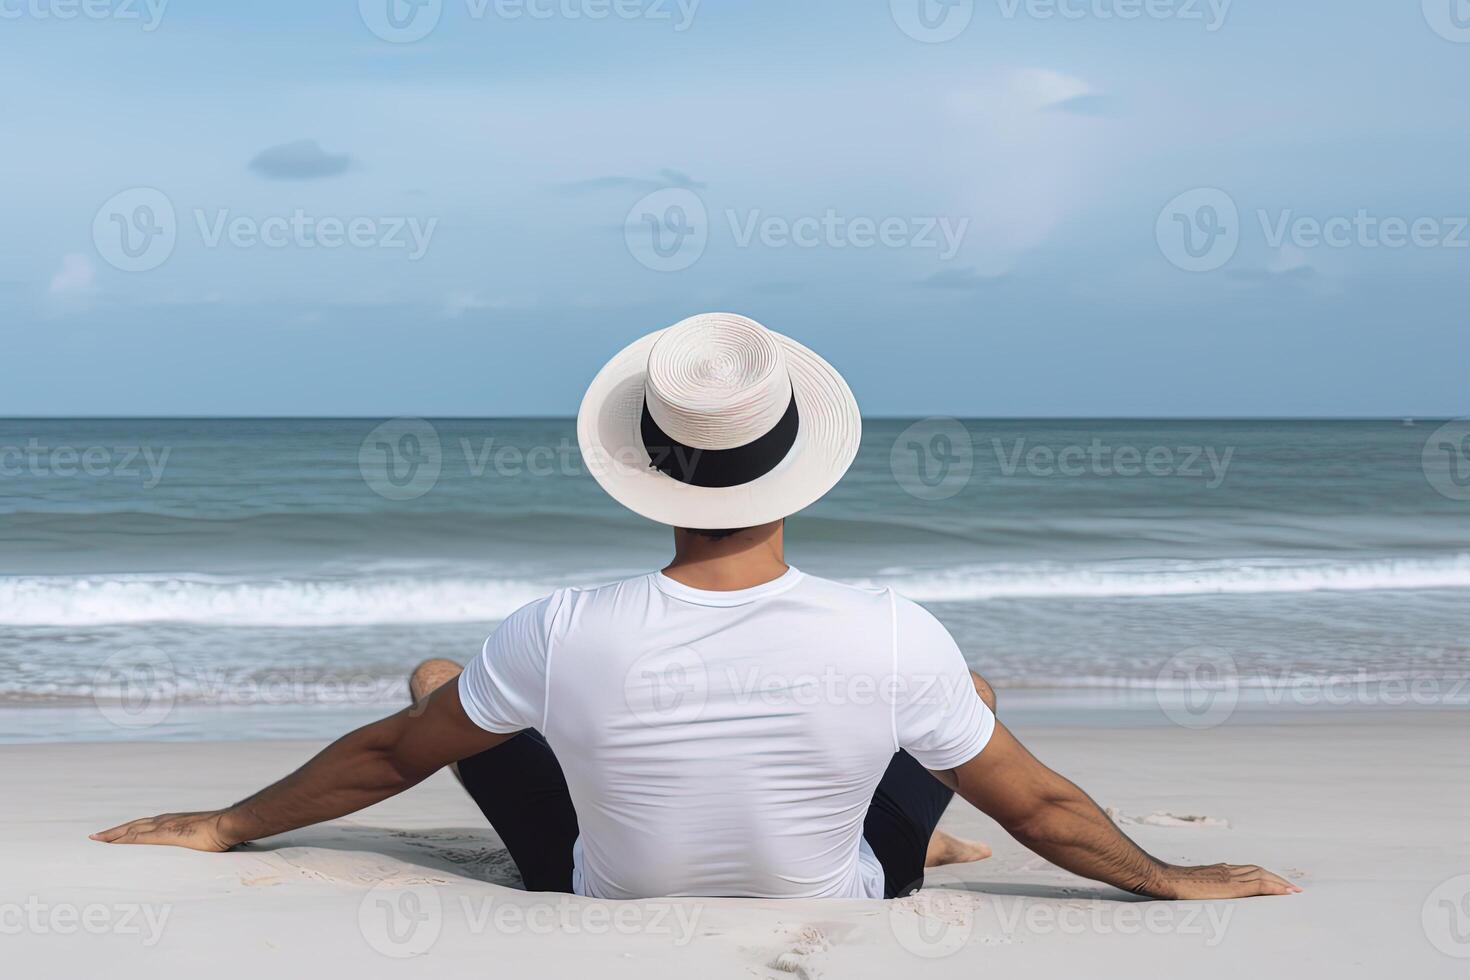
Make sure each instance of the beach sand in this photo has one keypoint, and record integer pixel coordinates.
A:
(1366, 810)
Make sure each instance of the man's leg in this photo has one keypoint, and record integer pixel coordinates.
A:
(519, 787)
(427, 678)
(902, 822)
(431, 675)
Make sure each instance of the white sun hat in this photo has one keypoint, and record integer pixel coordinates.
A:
(717, 422)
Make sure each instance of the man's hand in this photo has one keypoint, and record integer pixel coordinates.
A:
(1220, 881)
(1054, 818)
(200, 831)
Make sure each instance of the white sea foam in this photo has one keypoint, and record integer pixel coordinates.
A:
(1175, 578)
(386, 598)
(95, 600)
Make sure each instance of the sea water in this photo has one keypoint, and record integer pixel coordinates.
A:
(193, 578)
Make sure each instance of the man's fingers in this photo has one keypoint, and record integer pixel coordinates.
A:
(1274, 884)
(118, 834)
(111, 833)
(138, 835)
(113, 836)
(1255, 880)
(1270, 886)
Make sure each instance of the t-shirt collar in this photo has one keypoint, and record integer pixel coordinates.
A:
(738, 597)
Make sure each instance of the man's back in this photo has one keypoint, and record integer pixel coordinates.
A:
(728, 743)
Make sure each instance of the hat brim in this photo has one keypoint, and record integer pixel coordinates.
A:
(612, 446)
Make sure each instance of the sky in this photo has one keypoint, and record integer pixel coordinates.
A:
(970, 207)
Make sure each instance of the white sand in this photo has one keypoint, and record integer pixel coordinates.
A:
(1367, 811)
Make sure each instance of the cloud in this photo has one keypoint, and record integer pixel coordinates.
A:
(1270, 276)
(1042, 88)
(1289, 264)
(778, 287)
(964, 278)
(1084, 105)
(666, 178)
(460, 302)
(1289, 259)
(75, 276)
(1022, 163)
(463, 301)
(301, 160)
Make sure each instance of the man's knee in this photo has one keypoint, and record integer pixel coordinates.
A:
(431, 675)
(983, 688)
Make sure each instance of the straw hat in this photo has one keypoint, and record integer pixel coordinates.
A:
(717, 422)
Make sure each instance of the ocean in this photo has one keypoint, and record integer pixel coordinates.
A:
(244, 577)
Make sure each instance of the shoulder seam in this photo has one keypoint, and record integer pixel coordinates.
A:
(872, 590)
(559, 597)
(893, 683)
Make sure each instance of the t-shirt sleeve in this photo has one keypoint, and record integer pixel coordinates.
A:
(938, 717)
(504, 689)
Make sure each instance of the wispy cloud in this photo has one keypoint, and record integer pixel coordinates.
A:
(1091, 104)
(301, 160)
(459, 303)
(665, 178)
(1042, 88)
(1028, 162)
(1289, 264)
(778, 287)
(74, 277)
(462, 301)
(1027, 90)
(967, 277)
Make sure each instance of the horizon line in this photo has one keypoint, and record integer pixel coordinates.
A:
(1406, 417)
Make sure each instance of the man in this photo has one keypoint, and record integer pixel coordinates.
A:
(726, 726)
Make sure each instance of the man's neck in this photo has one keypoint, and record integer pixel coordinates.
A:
(743, 560)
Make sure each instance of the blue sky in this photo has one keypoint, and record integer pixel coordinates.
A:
(1030, 172)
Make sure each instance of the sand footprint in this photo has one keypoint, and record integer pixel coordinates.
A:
(1163, 818)
(808, 942)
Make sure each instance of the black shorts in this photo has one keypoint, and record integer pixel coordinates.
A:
(519, 787)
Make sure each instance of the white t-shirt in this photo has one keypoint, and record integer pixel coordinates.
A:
(728, 743)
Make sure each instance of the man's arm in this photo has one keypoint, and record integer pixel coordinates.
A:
(359, 769)
(1053, 817)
